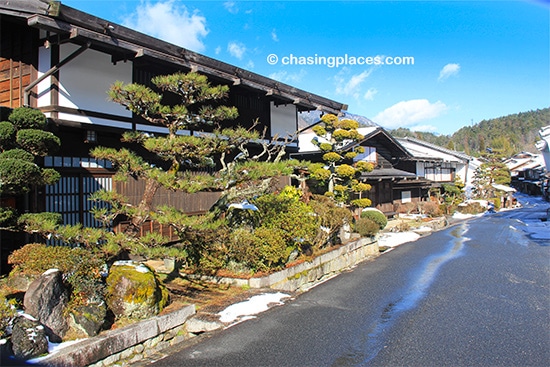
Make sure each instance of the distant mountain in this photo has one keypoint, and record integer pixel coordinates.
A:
(306, 119)
(508, 134)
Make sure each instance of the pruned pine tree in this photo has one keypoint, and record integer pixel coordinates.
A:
(22, 140)
(339, 173)
(178, 161)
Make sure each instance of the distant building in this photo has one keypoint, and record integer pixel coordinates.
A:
(391, 186)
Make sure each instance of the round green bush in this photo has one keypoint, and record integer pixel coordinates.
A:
(27, 118)
(38, 142)
(7, 134)
(17, 176)
(366, 227)
(376, 216)
(17, 154)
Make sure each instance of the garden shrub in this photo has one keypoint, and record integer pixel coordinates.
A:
(7, 135)
(473, 207)
(366, 227)
(18, 175)
(27, 118)
(81, 267)
(37, 142)
(407, 208)
(17, 154)
(376, 216)
(331, 217)
(431, 208)
(7, 314)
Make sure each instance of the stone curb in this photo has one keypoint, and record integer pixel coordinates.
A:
(94, 349)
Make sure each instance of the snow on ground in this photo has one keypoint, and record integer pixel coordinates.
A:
(391, 240)
(534, 226)
(245, 310)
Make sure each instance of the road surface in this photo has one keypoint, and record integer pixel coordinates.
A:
(474, 294)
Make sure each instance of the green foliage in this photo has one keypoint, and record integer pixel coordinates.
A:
(17, 154)
(8, 217)
(509, 134)
(332, 218)
(472, 207)
(361, 203)
(366, 227)
(376, 216)
(8, 312)
(345, 171)
(332, 157)
(17, 176)
(37, 142)
(27, 118)
(334, 138)
(82, 267)
(7, 135)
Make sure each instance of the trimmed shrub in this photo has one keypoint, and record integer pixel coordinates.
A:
(366, 227)
(376, 216)
(17, 154)
(38, 142)
(18, 176)
(81, 267)
(431, 208)
(27, 118)
(7, 134)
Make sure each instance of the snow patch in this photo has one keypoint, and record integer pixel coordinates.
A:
(253, 306)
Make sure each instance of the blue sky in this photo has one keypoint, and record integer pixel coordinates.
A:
(473, 60)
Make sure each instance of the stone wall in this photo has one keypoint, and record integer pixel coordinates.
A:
(302, 276)
(141, 340)
(126, 345)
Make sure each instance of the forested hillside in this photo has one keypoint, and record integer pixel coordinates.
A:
(508, 134)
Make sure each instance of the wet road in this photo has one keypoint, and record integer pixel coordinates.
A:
(475, 294)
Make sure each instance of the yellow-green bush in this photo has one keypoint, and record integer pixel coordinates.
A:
(376, 216)
(82, 267)
(366, 227)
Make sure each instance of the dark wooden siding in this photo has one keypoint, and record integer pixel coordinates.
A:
(18, 60)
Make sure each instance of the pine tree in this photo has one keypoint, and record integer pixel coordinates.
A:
(339, 174)
(211, 159)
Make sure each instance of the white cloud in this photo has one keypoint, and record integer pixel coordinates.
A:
(350, 86)
(231, 7)
(236, 49)
(218, 50)
(406, 113)
(250, 64)
(369, 95)
(285, 77)
(170, 22)
(274, 36)
(448, 71)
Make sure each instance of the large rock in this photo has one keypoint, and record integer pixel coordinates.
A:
(28, 339)
(86, 321)
(46, 299)
(133, 291)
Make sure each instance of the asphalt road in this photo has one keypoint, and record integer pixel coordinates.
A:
(474, 294)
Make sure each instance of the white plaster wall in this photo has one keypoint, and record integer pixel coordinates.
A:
(84, 83)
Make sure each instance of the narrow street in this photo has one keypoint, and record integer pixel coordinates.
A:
(474, 294)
